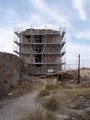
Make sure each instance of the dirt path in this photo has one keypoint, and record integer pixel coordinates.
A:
(17, 108)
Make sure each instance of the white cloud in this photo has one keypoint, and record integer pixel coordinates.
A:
(36, 21)
(72, 55)
(52, 12)
(8, 14)
(8, 11)
(83, 35)
(6, 40)
(79, 6)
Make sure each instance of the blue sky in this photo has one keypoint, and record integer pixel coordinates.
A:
(49, 13)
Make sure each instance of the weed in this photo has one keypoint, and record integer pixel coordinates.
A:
(51, 87)
(52, 104)
(78, 92)
(40, 114)
(43, 93)
(51, 116)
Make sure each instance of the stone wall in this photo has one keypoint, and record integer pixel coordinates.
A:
(11, 69)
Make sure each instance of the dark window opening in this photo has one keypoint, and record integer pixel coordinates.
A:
(28, 36)
(5, 82)
(38, 60)
(39, 50)
(38, 65)
(38, 39)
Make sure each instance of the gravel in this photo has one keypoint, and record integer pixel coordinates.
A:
(17, 108)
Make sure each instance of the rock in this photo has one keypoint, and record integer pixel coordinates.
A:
(81, 102)
(80, 109)
(62, 117)
(77, 115)
(87, 110)
(10, 94)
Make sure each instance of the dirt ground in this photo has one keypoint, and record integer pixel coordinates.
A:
(74, 103)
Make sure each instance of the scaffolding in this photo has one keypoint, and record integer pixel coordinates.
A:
(43, 50)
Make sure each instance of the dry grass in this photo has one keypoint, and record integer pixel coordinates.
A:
(75, 92)
(51, 104)
(35, 115)
(23, 88)
(43, 93)
(51, 86)
(20, 89)
(69, 95)
(84, 85)
(51, 116)
(65, 86)
(66, 96)
(40, 114)
(54, 92)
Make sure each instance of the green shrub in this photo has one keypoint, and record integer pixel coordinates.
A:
(43, 93)
(52, 104)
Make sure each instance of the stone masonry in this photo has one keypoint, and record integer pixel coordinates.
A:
(11, 68)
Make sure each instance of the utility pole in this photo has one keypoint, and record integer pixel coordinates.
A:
(79, 69)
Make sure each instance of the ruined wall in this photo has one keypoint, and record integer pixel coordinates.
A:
(11, 68)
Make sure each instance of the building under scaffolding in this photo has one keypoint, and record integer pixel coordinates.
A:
(43, 50)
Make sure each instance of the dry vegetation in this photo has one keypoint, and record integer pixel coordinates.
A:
(51, 104)
(76, 92)
(51, 86)
(23, 88)
(40, 114)
(57, 99)
(43, 93)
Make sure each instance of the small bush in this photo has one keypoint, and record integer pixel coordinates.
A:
(54, 92)
(40, 114)
(52, 104)
(64, 85)
(35, 115)
(51, 86)
(43, 93)
(51, 116)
